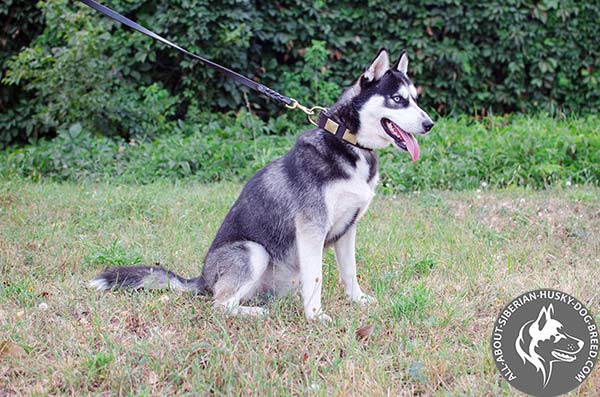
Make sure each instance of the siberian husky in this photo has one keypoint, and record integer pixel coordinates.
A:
(272, 240)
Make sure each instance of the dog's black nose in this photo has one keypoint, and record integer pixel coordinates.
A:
(427, 125)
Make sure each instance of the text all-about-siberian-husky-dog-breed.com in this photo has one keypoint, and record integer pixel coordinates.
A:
(272, 240)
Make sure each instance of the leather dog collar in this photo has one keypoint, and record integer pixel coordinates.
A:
(337, 128)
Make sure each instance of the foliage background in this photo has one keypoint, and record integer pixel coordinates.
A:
(462, 154)
(62, 64)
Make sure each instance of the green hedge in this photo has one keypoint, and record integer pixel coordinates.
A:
(469, 57)
(21, 23)
(458, 154)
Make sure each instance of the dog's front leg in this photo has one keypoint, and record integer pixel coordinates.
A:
(346, 260)
(310, 240)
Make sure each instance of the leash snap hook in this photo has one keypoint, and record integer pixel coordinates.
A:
(296, 105)
(308, 111)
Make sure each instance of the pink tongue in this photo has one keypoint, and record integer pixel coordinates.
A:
(411, 144)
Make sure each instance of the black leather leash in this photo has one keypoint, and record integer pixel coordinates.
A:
(228, 72)
(324, 121)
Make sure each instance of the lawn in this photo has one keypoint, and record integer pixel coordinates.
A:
(441, 264)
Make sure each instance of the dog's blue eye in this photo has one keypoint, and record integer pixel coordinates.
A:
(398, 99)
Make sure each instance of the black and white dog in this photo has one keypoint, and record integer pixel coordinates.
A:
(272, 240)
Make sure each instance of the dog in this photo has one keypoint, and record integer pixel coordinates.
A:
(543, 342)
(272, 240)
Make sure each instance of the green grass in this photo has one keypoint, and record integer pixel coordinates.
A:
(441, 265)
(459, 154)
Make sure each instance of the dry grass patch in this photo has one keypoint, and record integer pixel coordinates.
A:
(440, 264)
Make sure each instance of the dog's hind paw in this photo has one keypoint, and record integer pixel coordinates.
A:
(253, 311)
(236, 310)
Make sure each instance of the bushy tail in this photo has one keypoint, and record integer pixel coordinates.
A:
(147, 277)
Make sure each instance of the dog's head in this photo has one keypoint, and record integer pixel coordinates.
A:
(543, 342)
(382, 107)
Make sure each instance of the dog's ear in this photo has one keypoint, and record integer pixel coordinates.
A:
(544, 316)
(377, 68)
(402, 63)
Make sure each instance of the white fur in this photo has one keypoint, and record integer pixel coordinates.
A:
(377, 69)
(175, 284)
(345, 249)
(403, 64)
(310, 239)
(343, 199)
(403, 92)
(99, 283)
(259, 260)
(371, 133)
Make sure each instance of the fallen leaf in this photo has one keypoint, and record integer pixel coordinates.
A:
(363, 333)
(9, 349)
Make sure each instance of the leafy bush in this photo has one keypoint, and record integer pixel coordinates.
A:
(75, 82)
(309, 83)
(21, 23)
(213, 153)
(458, 154)
(484, 58)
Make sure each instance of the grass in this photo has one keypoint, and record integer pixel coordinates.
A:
(441, 264)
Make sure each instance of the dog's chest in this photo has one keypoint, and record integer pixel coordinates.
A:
(348, 199)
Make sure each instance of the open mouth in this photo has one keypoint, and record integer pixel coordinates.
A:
(561, 355)
(402, 139)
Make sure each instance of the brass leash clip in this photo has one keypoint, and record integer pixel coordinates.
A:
(308, 111)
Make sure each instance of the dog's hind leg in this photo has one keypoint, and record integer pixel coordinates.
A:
(240, 268)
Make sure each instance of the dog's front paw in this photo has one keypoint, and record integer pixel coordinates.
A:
(319, 316)
(364, 300)
(324, 318)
